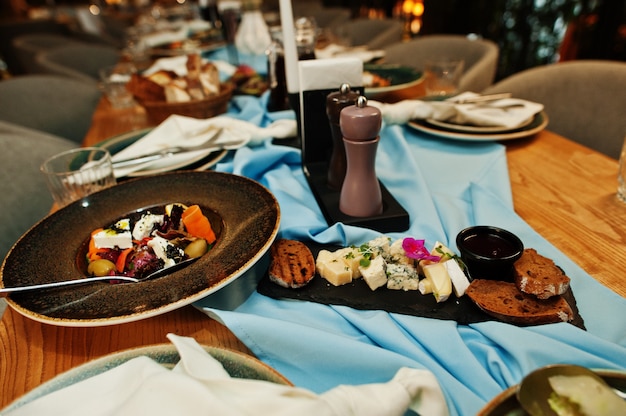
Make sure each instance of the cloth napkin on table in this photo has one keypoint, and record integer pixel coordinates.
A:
(361, 52)
(506, 112)
(199, 385)
(174, 34)
(188, 131)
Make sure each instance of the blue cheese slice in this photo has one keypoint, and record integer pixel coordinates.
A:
(117, 236)
(401, 277)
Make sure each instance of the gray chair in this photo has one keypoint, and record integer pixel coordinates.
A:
(81, 62)
(480, 56)
(373, 33)
(28, 46)
(57, 105)
(25, 196)
(585, 100)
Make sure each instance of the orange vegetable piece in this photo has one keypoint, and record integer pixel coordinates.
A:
(120, 263)
(197, 224)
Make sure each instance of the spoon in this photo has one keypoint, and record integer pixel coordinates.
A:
(161, 272)
(535, 389)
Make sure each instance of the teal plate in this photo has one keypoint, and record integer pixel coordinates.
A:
(401, 77)
(238, 365)
(118, 143)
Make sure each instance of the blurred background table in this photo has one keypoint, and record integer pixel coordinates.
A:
(565, 191)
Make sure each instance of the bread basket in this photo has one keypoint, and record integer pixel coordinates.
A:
(158, 111)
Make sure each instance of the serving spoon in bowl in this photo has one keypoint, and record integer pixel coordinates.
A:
(534, 391)
(4, 291)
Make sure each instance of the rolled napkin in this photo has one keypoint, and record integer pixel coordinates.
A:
(185, 131)
(199, 384)
(506, 112)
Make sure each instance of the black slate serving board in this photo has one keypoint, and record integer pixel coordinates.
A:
(359, 296)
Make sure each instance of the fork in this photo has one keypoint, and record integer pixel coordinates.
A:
(161, 272)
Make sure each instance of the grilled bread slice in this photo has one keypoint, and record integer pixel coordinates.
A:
(504, 301)
(538, 275)
(292, 264)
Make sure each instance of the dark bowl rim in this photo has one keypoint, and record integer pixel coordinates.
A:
(489, 229)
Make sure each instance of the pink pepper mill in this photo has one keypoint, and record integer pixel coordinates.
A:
(360, 193)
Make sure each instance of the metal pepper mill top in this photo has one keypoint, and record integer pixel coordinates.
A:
(360, 193)
(335, 102)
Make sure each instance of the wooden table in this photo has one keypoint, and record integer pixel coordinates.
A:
(565, 191)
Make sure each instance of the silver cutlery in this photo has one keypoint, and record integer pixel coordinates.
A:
(208, 144)
(161, 272)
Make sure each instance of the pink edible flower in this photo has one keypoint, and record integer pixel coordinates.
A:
(415, 249)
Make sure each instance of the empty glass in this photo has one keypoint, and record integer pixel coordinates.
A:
(114, 80)
(441, 77)
(76, 173)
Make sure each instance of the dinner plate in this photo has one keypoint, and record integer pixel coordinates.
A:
(244, 215)
(476, 129)
(401, 77)
(506, 404)
(198, 162)
(236, 364)
(538, 123)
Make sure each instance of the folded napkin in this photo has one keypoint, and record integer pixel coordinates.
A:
(507, 112)
(177, 34)
(187, 131)
(199, 384)
(333, 51)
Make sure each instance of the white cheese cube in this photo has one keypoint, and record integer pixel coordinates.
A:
(160, 247)
(440, 281)
(375, 273)
(460, 282)
(425, 287)
(398, 255)
(401, 277)
(379, 246)
(323, 258)
(333, 269)
(146, 223)
(117, 236)
(352, 257)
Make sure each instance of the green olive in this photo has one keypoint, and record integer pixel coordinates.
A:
(197, 248)
(100, 267)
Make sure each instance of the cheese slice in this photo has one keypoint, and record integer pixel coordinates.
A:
(460, 282)
(332, 268)
(375, 273)
(352, 257)
(440, 281)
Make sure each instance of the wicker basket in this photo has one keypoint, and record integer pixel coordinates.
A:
(159, 110)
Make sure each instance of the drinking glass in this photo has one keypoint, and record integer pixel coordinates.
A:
(76, 173)
(621, 177)
(441, 77)
(114, 80)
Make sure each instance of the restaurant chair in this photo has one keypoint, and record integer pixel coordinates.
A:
(584, 100)
(480, 56)
(50, 103)
(28, 46)
(25, 196)
(373, 33)
(81, 62)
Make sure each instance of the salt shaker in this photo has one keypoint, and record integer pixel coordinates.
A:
(360, 193)
(335, 102)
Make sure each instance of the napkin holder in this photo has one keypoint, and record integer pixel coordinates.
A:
(318, 78)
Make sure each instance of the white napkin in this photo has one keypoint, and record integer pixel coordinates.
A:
(199, 385)
(361, 52)
(177, 34)
(188, 131)
(507, 112)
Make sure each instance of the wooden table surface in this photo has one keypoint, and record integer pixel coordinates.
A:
(565, 191)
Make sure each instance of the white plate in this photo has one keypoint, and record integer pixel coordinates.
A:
(538, 123)
(476, 129)
(198, 161)
(238, 365)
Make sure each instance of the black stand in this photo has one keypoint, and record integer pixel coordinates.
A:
(316, 151)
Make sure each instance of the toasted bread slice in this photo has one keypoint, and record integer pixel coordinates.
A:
(292, 263)
(504, 301)
(538, 275)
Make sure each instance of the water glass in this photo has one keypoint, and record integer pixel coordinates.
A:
(76, 173)
(621, 177)
(442, 77)
(114, 80)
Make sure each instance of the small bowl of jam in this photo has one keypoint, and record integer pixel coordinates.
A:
(489, 252)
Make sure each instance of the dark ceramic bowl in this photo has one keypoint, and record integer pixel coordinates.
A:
(489, 252)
